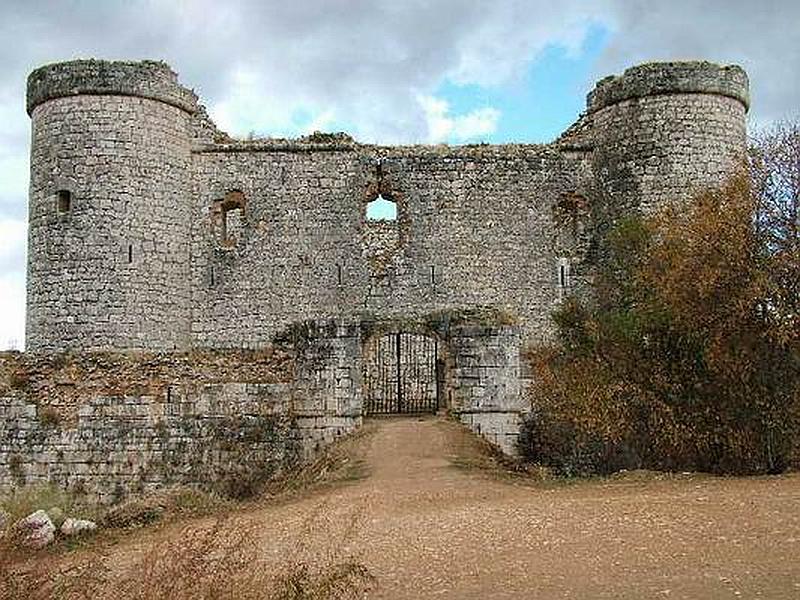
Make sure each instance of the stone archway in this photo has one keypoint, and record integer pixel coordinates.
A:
(403, 374)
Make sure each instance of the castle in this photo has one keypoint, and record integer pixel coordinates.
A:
(153, 234)
(151, 229)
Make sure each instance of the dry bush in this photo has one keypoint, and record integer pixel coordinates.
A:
(323, 573)
(348, 579)
(19, 379)
(688, 358)
(134, 513)
(27, 575)
(224, 561)
(200, 562)
(49, 417)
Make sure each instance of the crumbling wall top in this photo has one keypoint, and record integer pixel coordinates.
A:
(652, 79)
(146, 79)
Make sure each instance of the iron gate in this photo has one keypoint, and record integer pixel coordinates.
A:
(401, 374)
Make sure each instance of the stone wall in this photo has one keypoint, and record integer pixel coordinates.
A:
(114, 424)
(216, 436)
(485, 384)
(665, 131)
(142, 259)
(118, 424)
(474, 227)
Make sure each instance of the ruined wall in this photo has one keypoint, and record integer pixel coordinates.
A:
(114, 424)
(213, 436)
(150, 256)
(475, 227)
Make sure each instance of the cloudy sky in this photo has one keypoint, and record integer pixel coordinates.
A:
(387, 71)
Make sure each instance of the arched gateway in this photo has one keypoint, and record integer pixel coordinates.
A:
(403, 373)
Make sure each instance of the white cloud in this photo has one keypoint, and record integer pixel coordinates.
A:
(283, 68)
(512, 34)
(13, 238)
(321, 122)
(12, 310)
(443, 127)
(13, 246)
(763, 37)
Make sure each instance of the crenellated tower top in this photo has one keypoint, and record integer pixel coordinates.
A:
(653, 79)
(144, 79)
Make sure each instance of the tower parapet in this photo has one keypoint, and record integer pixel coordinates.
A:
(653, 79)
(146, 79)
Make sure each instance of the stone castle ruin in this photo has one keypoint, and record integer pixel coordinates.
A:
(154, 234)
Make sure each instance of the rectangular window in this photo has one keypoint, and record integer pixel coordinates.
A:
(563, 274)
(63, 201)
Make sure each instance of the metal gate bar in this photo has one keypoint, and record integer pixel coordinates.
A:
(400, 374)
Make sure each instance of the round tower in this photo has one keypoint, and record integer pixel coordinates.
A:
(109, 215)
(666, 130)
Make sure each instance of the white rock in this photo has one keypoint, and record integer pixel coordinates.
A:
(76, 526)
(36, 530)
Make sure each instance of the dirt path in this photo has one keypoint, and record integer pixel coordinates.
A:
(427, 528)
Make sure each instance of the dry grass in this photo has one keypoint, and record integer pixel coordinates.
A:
(218, 561)
(341, 462)
(27, 499)
(223, 559)
(42, 576)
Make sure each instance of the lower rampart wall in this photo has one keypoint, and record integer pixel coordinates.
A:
(485, 382)
(112, 425)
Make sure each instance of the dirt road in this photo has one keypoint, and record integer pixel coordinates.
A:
(429, 525)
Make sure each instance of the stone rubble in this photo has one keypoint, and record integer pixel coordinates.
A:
(72, 527)
(36, 530)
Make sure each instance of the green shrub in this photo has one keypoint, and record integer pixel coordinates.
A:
(19, 379)
(49, 417)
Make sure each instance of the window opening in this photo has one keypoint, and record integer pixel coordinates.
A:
(381, 209)
(130, 253)
(563, 273)
(339, 274)
(63, 201)
(232, 219)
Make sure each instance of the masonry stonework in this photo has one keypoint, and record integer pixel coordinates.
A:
(140, 262)
(152, 233)
(113, 424)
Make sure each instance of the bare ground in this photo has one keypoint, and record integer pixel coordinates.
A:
(432, 516)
